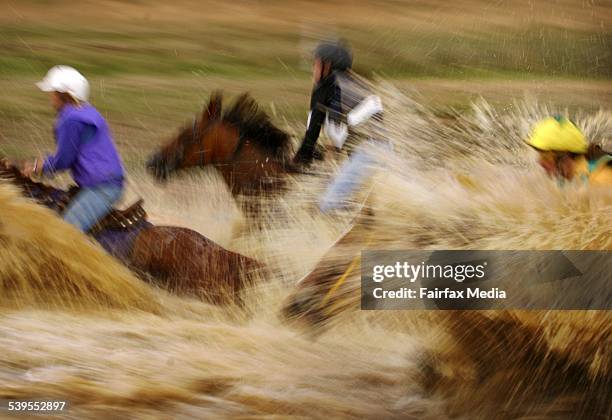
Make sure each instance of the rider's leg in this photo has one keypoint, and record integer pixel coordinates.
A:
(353, 173)
(91, 205)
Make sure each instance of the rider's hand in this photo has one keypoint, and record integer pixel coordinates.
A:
(302, 158)
(31, 168)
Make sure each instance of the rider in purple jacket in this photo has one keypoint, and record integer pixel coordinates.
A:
(84, 146)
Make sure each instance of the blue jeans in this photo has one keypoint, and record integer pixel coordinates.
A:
(353, 173)
(91, 204)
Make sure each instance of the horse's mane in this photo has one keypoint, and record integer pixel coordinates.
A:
(254, 124)
(12, 174)
(52, 197)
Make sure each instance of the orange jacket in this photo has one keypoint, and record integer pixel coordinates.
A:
(599, 172)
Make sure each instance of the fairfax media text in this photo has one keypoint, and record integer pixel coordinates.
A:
(436, 293)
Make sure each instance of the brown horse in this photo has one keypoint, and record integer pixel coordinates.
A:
(332, 287)
(175, 258)
(242, 143)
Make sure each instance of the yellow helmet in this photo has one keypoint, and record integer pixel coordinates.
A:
(558, 134)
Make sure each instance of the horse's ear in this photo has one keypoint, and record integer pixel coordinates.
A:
(213, 109)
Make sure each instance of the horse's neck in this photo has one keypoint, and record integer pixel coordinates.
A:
(251, 168)
(49, 196)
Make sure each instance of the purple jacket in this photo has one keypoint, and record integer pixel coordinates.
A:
(85, 146)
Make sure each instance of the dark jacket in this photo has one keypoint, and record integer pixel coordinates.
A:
(333, 98)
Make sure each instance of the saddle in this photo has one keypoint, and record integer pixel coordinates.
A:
(121, 219)
(115, 220)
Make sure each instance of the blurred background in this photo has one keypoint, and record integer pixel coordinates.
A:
(466, 182)
(153, 63)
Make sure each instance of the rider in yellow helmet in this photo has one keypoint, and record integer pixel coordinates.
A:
(565, 152)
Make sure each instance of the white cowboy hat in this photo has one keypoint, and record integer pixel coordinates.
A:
(65, 79)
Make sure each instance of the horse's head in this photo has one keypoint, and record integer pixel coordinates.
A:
(199, 143)
(242, 142)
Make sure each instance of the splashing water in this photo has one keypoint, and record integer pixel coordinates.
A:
(75, 325)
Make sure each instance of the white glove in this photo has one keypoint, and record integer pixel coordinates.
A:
(365, 110)
(337, 132)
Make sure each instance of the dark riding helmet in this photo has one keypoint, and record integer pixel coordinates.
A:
(337, 53)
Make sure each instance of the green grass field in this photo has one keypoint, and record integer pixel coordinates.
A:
(153, 64)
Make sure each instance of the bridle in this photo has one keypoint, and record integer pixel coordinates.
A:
(195, 139)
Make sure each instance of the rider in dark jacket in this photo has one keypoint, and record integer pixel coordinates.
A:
(351, 115)
(332, 60)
